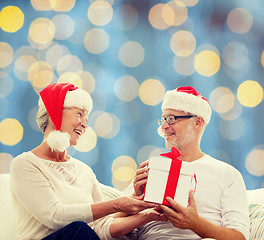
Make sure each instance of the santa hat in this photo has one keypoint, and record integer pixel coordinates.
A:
(187, 99)
(54, 98)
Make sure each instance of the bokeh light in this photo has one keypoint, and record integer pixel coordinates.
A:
(235, 54)
(40, 74)
(126, 88)
(64, 26)
(250, 93)
(131, 54)
(123, 169)
(96, 41)
(222, 100)
(254, 161)
(70, 77)
(190, 3)
(207, 63)
(234, 112)
(126, 55)
(6, 84)
(42, 31)
(145, 153)
(11, 19)
(239, 20)
(183, 43)
(22, 65)
(11, 131)
(151, 92)
(179, 10)
(184, 65)
(41, 5)
(100, 13)
(55, 53)
(262, 58)
(107, 125)
(88, 81)
(156, 16)
(62, 5)
(69, 63)
(6, 53)
(77, 79)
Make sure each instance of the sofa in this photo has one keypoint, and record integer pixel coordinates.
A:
(8, 225)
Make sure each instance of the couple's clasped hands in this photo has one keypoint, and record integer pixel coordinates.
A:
(136, 205)
(179, 216)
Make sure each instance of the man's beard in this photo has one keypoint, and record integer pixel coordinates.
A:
(180, 142)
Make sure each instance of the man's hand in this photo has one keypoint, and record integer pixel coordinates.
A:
(188, 218)
(140, 178)
(179, 216)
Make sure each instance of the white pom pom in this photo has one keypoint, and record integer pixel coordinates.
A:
(160, 132)
(58, 141)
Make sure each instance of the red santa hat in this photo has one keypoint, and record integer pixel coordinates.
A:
(187, 99)
(54, 98)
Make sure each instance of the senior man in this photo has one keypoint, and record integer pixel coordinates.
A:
(218, 209)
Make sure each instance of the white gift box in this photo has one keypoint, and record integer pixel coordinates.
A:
(167, 177)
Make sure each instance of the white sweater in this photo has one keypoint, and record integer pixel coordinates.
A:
(220, 198)
(49, 195)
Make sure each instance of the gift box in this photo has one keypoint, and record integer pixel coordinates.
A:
(169, 178)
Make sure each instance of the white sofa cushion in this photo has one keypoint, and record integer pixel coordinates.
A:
(256, 196)
(7, 213)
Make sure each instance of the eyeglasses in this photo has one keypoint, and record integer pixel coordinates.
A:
(171, 119)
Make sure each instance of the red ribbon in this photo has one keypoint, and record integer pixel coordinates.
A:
(174, 174)
(172, 181)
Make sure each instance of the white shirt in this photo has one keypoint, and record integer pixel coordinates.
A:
(220, 198)
(49, 195)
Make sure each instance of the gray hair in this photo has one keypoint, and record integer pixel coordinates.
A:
(42, 118)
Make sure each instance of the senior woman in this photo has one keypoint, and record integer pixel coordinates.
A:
(57, 196)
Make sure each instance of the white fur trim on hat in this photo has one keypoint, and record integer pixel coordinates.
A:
(78, 98)
(186, 102)
(58, 141)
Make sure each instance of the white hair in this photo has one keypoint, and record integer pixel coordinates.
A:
(42, 118)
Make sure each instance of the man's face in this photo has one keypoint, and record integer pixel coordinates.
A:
(179, 134)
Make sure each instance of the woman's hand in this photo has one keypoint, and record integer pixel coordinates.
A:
(140, 178)
(154, 214)
(132, 205)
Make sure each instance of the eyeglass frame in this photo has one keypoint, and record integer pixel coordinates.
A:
(163, 119)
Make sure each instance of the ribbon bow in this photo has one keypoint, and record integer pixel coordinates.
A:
(174, 154)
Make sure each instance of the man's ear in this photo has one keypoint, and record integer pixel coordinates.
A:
(199, 122)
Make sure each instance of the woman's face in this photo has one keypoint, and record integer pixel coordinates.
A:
(74, 122)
